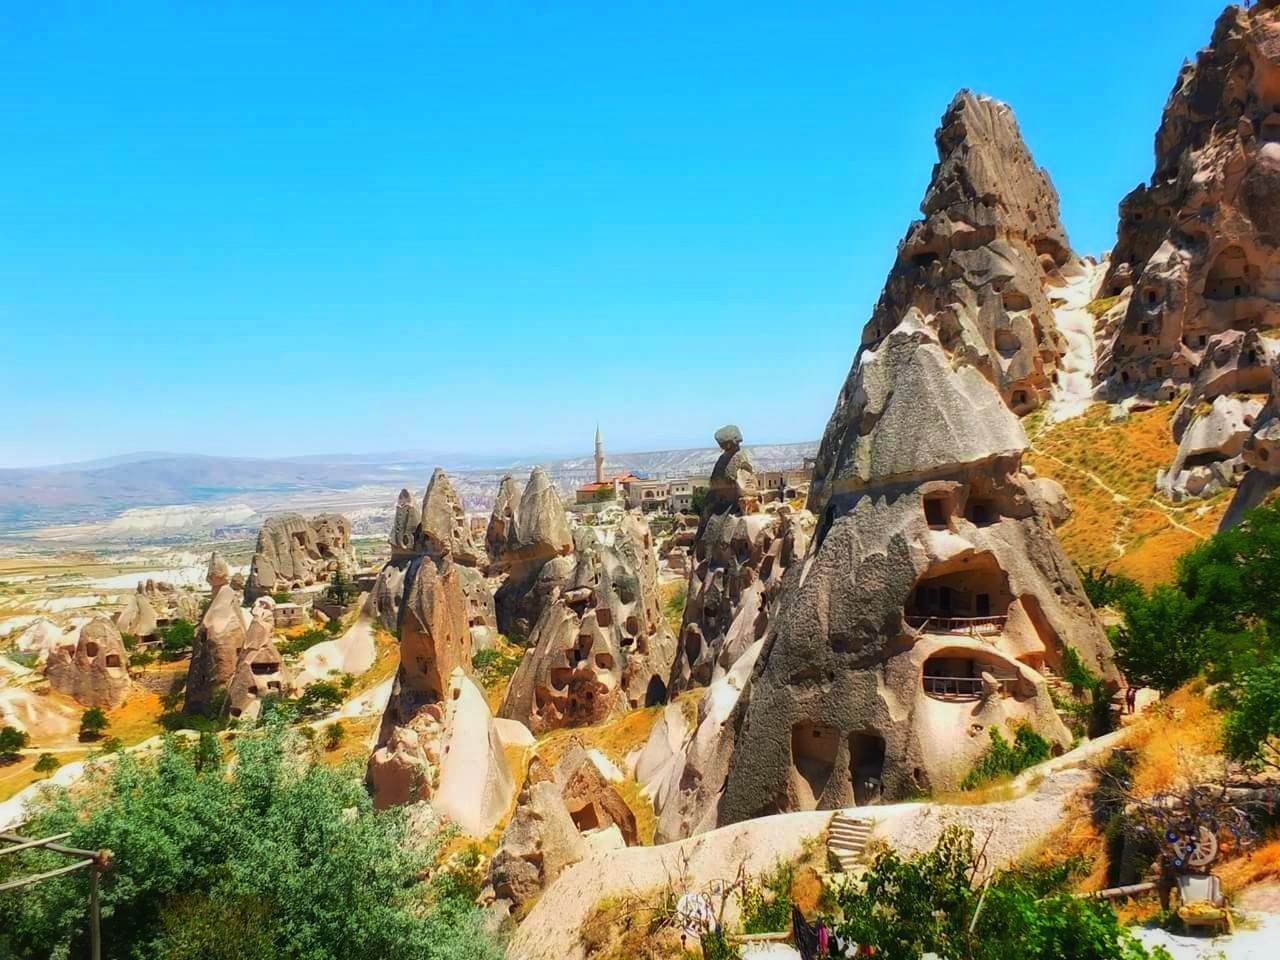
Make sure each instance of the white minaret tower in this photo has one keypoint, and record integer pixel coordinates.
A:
(599, 456)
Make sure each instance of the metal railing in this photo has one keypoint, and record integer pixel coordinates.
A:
(964, 688)
(961, 626)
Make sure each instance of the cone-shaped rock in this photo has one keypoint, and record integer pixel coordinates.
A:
(95, 671)
(444, 529)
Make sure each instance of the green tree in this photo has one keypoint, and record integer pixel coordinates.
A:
(1104, 588)
(333, 736)
(699, 499)
(12, 740)
(320, 697)
(257, 858)
(92, 723)
(1003, 759)
(47, 763)
(341, 588)
(176, 639)
(1161, 643)
(1252, 727)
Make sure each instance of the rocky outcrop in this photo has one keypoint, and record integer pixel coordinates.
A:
(170, 601)
(1196, 266)
(260, 669)
(600, 644)
(499, 535)
(137, 619)
(933, 602)
(219, 639)
(590, 798)
(538, 538)
(978, 266)
(294, 552)
(95, 672)
(738, 562)
(444, 530)
(539, 843)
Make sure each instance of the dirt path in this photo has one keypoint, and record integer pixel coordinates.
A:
(1073, 389)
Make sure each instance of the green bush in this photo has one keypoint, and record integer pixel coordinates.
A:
(766, 901)
(12, 740)
(92, 723)
(494, 666)
(176, 639)
(333, 736)
(47, 763)
(323, 696)
(257, 858)
(302, 642)
(282, 596)
(928, 902)
(1104, 588)
(1003, 759)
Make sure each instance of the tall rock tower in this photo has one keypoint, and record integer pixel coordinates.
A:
(599, 456)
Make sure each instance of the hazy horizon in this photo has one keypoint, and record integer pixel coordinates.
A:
(271, 232)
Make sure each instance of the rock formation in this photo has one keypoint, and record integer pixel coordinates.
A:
(499, 535)
(448, 751)
(600, 644)
(137, 619)
(933, 602)
(439, 532)
(260, 670)
(536, 536)
(934, 598)
(95, 672)
(739, 558)
(1198, 249)
(978, 265)
(590, 798)
(218, 641)
(170, 601)
(294, 552)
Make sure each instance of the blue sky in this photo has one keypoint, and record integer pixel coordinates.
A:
(275, 229)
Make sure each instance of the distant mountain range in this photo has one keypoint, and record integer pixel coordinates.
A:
(96, 493)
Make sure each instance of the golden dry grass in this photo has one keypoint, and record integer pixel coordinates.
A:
(1259, 866)
(1178, 739)
(1109, 471)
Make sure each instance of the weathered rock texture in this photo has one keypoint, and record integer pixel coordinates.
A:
(1196, 266)
(260, 669)
(173, 602)
(928, 609)
(138, 618)
(600, 644)
(219, 638)
(535, 535)
(440, 533)
(1198, 249)
(95, 672)
(739, 558)
(978, 265)
(294, 552)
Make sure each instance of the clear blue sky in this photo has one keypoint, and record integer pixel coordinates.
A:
(275, 229)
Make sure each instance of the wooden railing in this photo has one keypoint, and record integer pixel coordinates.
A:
(962, 626)
(964, 688)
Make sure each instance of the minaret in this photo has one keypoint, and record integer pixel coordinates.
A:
(599, 456)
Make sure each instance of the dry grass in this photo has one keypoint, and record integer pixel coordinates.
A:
(674, 595)
(1178, 739)
(1259, 866)
(629, 928)
(17, 776)
(1077, 836)
(1109, 471)
(138, 719)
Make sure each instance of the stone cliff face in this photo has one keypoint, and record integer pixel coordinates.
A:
(1196, 266)
(95, 672)
(980, 265)
(218, 642)
(600, 644)
(293, 551)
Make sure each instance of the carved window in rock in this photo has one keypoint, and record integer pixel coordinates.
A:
(113, 660)
(866, 767)
(980, 511)
(937, 512)
(814, 747)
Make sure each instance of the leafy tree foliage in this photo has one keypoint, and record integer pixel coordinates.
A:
(1221, 619)
(928, 902)
(259, 859)
(92, 722)
(176, 639)
(47, 763)
(1003, 759)
(1105, 589)
(11, 741)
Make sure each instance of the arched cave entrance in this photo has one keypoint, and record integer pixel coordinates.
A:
(813, 756)
(866, 766)
(1229, 276)
(966, 594)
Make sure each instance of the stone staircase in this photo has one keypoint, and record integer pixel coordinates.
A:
(847, 839)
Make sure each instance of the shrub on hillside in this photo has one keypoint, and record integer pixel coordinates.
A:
(256, 858)
(92, 723)
(929, 902)
(1004, 759)
(11, 741)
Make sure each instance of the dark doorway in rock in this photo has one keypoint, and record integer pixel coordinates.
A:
(866, 765)
(813, 757)
(655, 693)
